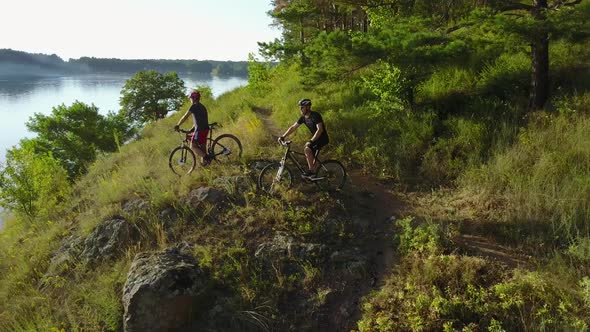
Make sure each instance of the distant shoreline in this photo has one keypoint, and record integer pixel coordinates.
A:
(22, 64)
(42, 74)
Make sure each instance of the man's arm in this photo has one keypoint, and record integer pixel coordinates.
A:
(184, 117)
(290, 130)
(318, 132)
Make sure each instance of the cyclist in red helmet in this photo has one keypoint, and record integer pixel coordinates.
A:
(200, 126)
(315, 124)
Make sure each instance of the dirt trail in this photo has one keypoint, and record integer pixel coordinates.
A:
(379, 206)
(476, 245)
(269, 124)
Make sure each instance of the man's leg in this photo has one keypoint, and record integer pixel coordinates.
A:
(309, 155)
(199, 145)
(198, 150)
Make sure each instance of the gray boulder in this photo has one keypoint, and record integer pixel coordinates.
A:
(137, 205)
(204, 195)
(164, 291)
(235, 185)
(66, 256)
(350, 262)
(257, 165)
(285, 246)
(109, 239)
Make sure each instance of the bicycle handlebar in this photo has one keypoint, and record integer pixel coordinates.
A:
(285, 143)
(211, 126)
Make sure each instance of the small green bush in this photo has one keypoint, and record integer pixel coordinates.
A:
(506, 77)
(424, 239)
(448, 157)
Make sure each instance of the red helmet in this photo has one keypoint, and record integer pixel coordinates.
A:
(195, 95)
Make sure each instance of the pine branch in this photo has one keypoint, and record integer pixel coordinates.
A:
(564, 3)
(459, 26)
(510, 5)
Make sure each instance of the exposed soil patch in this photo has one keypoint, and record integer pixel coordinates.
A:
(378, 206)
(269, 124)
(475, 245)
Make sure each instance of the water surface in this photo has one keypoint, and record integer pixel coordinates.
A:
(22, 98)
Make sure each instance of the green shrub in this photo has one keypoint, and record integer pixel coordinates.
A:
(448, 90)
(572, 105)
(465, 293)
(448, 157)
(533, 301)
(545, 177)
(32, 185)
(423, 239)
(431, 294)
(569, 68)
(506, 77)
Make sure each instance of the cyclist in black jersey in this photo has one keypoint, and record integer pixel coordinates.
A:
(313, 121)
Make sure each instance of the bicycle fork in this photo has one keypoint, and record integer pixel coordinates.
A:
(280, 171)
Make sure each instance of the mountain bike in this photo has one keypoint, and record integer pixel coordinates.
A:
(330, 176)
(225, 148)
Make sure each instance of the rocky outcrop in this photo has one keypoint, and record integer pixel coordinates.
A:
(137, 205)
(66, 256)
(235, 185)
(165, 291)
(285, 246)
(109, 239)
(257, 165)
(350, 262)
(204, 195)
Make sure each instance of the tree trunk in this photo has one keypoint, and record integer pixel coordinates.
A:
(540, 59)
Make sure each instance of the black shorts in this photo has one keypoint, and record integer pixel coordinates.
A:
(315, 146)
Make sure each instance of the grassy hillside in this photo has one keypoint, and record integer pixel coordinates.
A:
(489, 227)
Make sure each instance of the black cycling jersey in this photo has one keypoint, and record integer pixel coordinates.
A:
(312, 123)
(200, 117)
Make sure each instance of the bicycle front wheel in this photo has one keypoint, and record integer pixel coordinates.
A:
(182, 160)
(331, 175)
(226, 149)
(272, 178)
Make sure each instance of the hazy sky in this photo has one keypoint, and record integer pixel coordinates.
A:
(137, 29)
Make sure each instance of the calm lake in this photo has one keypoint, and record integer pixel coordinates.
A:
(21, 98)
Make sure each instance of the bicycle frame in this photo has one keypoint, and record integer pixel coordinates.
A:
(290, 154)
(209, 144)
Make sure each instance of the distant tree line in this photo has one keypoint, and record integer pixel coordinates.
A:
(18, 59)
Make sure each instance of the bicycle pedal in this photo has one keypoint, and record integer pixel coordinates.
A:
(316, 178)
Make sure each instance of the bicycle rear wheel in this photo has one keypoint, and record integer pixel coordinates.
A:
(331, 175)
(272, 178)
(226, 148)
(182, 160)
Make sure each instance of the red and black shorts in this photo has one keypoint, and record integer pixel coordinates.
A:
(200, 137)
